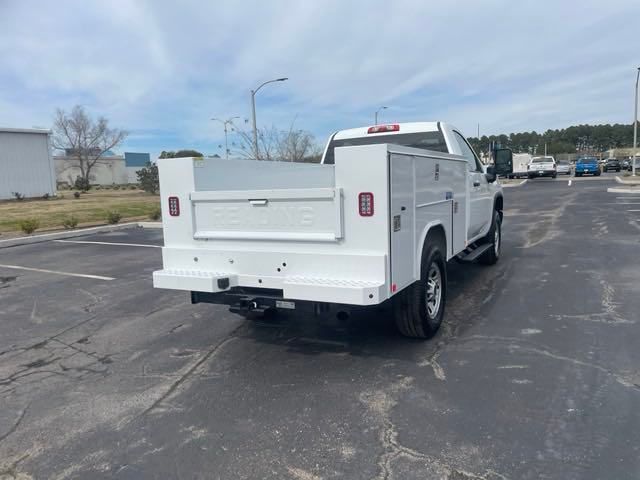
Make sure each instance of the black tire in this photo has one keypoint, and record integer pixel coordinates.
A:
(410, 310)
(554, 175)
(597, 174)
(491, 256)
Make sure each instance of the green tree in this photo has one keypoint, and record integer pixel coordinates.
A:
(180, 154)
(148, 178)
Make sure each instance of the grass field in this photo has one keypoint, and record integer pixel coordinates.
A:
(90, 208)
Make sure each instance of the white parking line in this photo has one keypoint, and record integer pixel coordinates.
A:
(110, 243)
(633, 210)
(55, 272)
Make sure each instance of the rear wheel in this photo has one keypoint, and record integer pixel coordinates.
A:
(491, 256)
(418, 310)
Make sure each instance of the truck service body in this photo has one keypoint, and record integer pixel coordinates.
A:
(374, 221)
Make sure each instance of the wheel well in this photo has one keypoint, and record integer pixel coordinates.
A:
(498, 205)
(436, 235)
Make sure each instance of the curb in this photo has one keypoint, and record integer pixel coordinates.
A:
(623, 190)
(150, 224)
(627, 182)
(14, 242)
(511, 185)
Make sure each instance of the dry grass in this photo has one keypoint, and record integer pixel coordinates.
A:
(90, 208)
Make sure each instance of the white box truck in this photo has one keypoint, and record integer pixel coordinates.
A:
(377, 220)
(520, 165)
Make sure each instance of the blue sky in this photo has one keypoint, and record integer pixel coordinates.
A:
(162, 69)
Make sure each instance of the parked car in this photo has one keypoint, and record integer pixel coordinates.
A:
(587, 166)
(612, 164)
(542, 167)
(563, 168)
(626, 164)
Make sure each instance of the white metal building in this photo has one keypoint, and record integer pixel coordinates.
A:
(26, 165)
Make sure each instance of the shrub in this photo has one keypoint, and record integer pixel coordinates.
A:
(116, 187)
(133, 187)
(19, 196)
(98, 187)
(70, 222)
(29, 225)
(76, 194)
(82, 184)
(113, 217)
(156, 214)
(148, 178)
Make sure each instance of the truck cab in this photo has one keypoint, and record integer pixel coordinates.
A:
(376, 221)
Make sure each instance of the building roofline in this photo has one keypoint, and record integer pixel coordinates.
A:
(25, 130)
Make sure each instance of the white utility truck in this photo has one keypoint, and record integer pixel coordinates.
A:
(377, 220)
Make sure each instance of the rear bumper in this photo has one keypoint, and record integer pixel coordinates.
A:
(541, 173)
(326, 290)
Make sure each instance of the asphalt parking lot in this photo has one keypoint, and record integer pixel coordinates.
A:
(536, 373)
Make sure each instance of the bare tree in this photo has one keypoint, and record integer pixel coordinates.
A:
(84, 138)
(297, 146)
(279, 145)
(267, 144)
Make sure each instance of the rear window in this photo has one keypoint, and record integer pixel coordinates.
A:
(588, 160)
(424, 140)
(542, 159)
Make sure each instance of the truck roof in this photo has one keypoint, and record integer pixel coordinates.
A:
(410, 127)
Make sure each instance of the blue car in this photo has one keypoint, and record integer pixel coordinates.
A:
(587, 166)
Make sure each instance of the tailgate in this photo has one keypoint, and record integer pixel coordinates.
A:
(308, 214)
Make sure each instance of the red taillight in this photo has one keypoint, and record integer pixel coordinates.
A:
(174, 206)
(365, 204)
(384, 128)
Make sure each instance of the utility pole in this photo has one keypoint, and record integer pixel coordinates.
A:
(635, 127)
(376, 115)
(545, 149)
(253, 113)
(478, 131)
(228, 121)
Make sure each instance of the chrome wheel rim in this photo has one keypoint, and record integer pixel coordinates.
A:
(434, 290)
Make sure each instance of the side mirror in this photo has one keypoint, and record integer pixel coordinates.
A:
(503, 159)
(491, 174)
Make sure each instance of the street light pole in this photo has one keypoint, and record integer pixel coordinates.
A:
(635, 127)
(253, 113)
(377, 111)
(228, 121)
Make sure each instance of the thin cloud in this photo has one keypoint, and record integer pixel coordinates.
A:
(163, 69)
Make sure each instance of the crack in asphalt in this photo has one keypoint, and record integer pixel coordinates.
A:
(10, 470)
(16, 424)
(516, 343)
(183, 378)
(381, 403)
